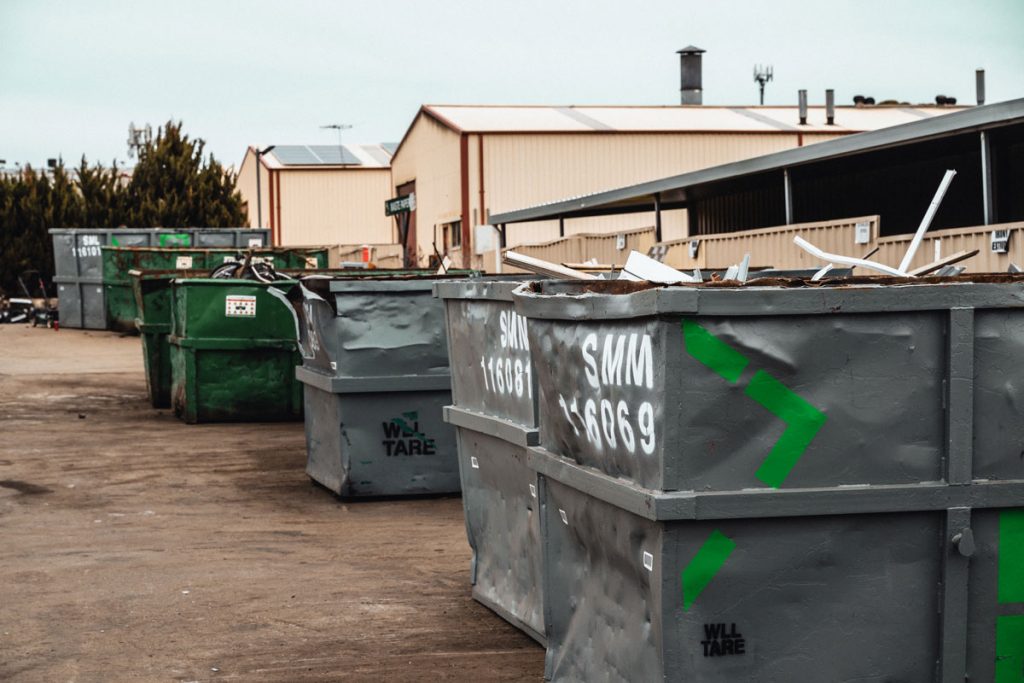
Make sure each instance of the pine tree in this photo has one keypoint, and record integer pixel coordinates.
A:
(173, 185)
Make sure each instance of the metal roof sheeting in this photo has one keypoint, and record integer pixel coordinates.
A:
(555, 119)
(640, 197)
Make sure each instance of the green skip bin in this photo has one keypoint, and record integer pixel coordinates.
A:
(233, 351)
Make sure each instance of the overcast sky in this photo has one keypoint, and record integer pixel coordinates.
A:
(74, 74)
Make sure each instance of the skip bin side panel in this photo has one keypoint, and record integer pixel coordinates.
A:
(855, 400)
(326, 459)
(490, 361)
(499, 494)
(390, 333)
(156, 358)
(998, 395)
(69, 302)
(603, 614)
(995, 633)
(851, 598)
(249, 385)
(398, 443)
(601, 388)
(94, 307)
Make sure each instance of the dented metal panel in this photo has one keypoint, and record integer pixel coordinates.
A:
(853, 597)
(379, 443)
(495, 411)
(375, 370)
(490, 361)
(833, 481)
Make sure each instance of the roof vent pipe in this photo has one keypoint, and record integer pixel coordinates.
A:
(830, 107)
(691, 89)
(979, 85)
(802, 99)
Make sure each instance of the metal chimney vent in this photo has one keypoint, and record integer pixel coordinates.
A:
(830, 107)
(979, 85)
(802, 99)
(691, 89)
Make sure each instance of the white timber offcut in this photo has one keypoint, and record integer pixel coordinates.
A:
(466, 162)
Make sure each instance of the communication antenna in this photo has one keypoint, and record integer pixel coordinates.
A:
(762, 75)
(339, 127)
(138, 137)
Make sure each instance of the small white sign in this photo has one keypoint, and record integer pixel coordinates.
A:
(648, 561)
(620, 242)
(862, 233)
(183, 263)
(483, 239)
(311, 262)
(565, 517)
(474, 462)
(240, 306)
(533, 490)
(255, 242)
(1000, 241)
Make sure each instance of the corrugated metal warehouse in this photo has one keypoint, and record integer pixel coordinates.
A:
(884, 178)
(319, 194)
(466, 162)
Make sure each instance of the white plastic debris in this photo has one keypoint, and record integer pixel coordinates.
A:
(639, 268)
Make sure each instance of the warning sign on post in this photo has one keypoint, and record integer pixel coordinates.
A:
(240, 306)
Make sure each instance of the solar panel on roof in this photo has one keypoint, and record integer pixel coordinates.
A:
(314, 155)
(295, 155)
(333, 154)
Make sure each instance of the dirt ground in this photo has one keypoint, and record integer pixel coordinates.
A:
(135, 547)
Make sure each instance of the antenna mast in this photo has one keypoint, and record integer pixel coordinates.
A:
(762, 75)
(339, 127)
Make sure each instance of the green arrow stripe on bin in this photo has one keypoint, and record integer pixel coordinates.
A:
(713, 352)
(802, 424)
(1009, 649)
(705, 564)
(1011, 556)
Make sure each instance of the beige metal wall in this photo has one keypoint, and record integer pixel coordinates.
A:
(951, 241)
(522, 170)
(525, 169)
(773, 247)
(246, 184)
(344, 206)
(604, 247)
(430, 156)
(383, 255)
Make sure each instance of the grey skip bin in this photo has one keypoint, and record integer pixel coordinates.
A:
(495, 413)
(375, 370)
(78, 262)
(827, 482)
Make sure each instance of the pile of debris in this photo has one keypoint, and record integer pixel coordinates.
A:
(649, 268)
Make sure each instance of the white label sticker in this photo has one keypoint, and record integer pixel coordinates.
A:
(648, 561)
(240, 306)
(255, 241)
(183, 262)
(311, 262)
(533, 490)
(474, 462)
(334, 365)
(565, 517)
